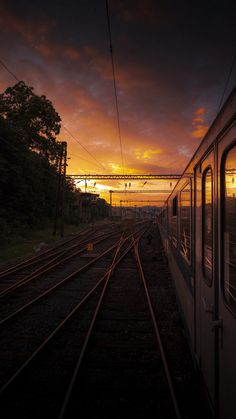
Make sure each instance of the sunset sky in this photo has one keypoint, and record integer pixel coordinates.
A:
(172, 59)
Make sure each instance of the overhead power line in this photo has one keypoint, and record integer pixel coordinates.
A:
(8, 70)
(82, 158)
(81, 145)
(227, 81)
(114, 83)
(66, 129)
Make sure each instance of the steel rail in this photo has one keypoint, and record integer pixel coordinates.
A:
(65, 320)
(34, 259)
(61, 282)
(50, 265)
(53, 333)
(115, 262)
(157, 333)
(47, 253)
(54, 287)
(88, 334)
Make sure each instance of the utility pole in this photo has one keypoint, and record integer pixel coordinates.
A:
(60, 194)
(64, 159)
(110, 192)
(59, 167)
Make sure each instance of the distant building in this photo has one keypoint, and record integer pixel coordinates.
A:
(89, 207)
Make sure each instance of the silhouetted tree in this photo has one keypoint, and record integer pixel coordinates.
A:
(33, 117)
(28, 128)
(28, 178)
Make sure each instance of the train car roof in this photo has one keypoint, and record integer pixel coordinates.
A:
(223, 120)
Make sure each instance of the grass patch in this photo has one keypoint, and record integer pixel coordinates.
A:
(25, 246)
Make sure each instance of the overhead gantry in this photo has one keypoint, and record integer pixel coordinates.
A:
(124, 177)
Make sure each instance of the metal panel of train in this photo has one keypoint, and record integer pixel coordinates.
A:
(198, 228)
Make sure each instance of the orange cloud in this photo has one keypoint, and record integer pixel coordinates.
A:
(72, 53)
(200, 128)
(127, 77)
(200, 131)
(198, 120)
(45, 50)
(117, 169)
(26, 29)
(146, 154)
(50, 50)
(35, 34)
(88, 120)
(200, 111)
(136, 12)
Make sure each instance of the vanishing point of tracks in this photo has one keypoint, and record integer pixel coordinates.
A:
(81, 339)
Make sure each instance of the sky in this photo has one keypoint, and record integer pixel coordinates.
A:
(171, 60)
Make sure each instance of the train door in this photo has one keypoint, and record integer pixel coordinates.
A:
(227, 270)
(205, 286)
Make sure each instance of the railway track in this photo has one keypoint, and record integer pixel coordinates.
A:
(43, 255)
(34, 266)
(84, 356)
(121, 364)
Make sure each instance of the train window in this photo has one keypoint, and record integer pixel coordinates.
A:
(169, 217)
(164, 223)
(207, 225)
(185, 214)
(175, 206)
(230, 229)
(174, 220)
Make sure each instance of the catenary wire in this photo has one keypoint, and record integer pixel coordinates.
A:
(8, 70)
(66, 129)
(227, 81)
(76, 139)
(114, 83)
(82, 158)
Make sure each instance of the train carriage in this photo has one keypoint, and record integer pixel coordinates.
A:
(198, 228)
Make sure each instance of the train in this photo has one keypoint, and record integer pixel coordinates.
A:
(198, 230)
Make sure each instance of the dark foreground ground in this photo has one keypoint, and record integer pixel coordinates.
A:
(121, 375)
(186, 378)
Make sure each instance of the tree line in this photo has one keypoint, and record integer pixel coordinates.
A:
(29, 151)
